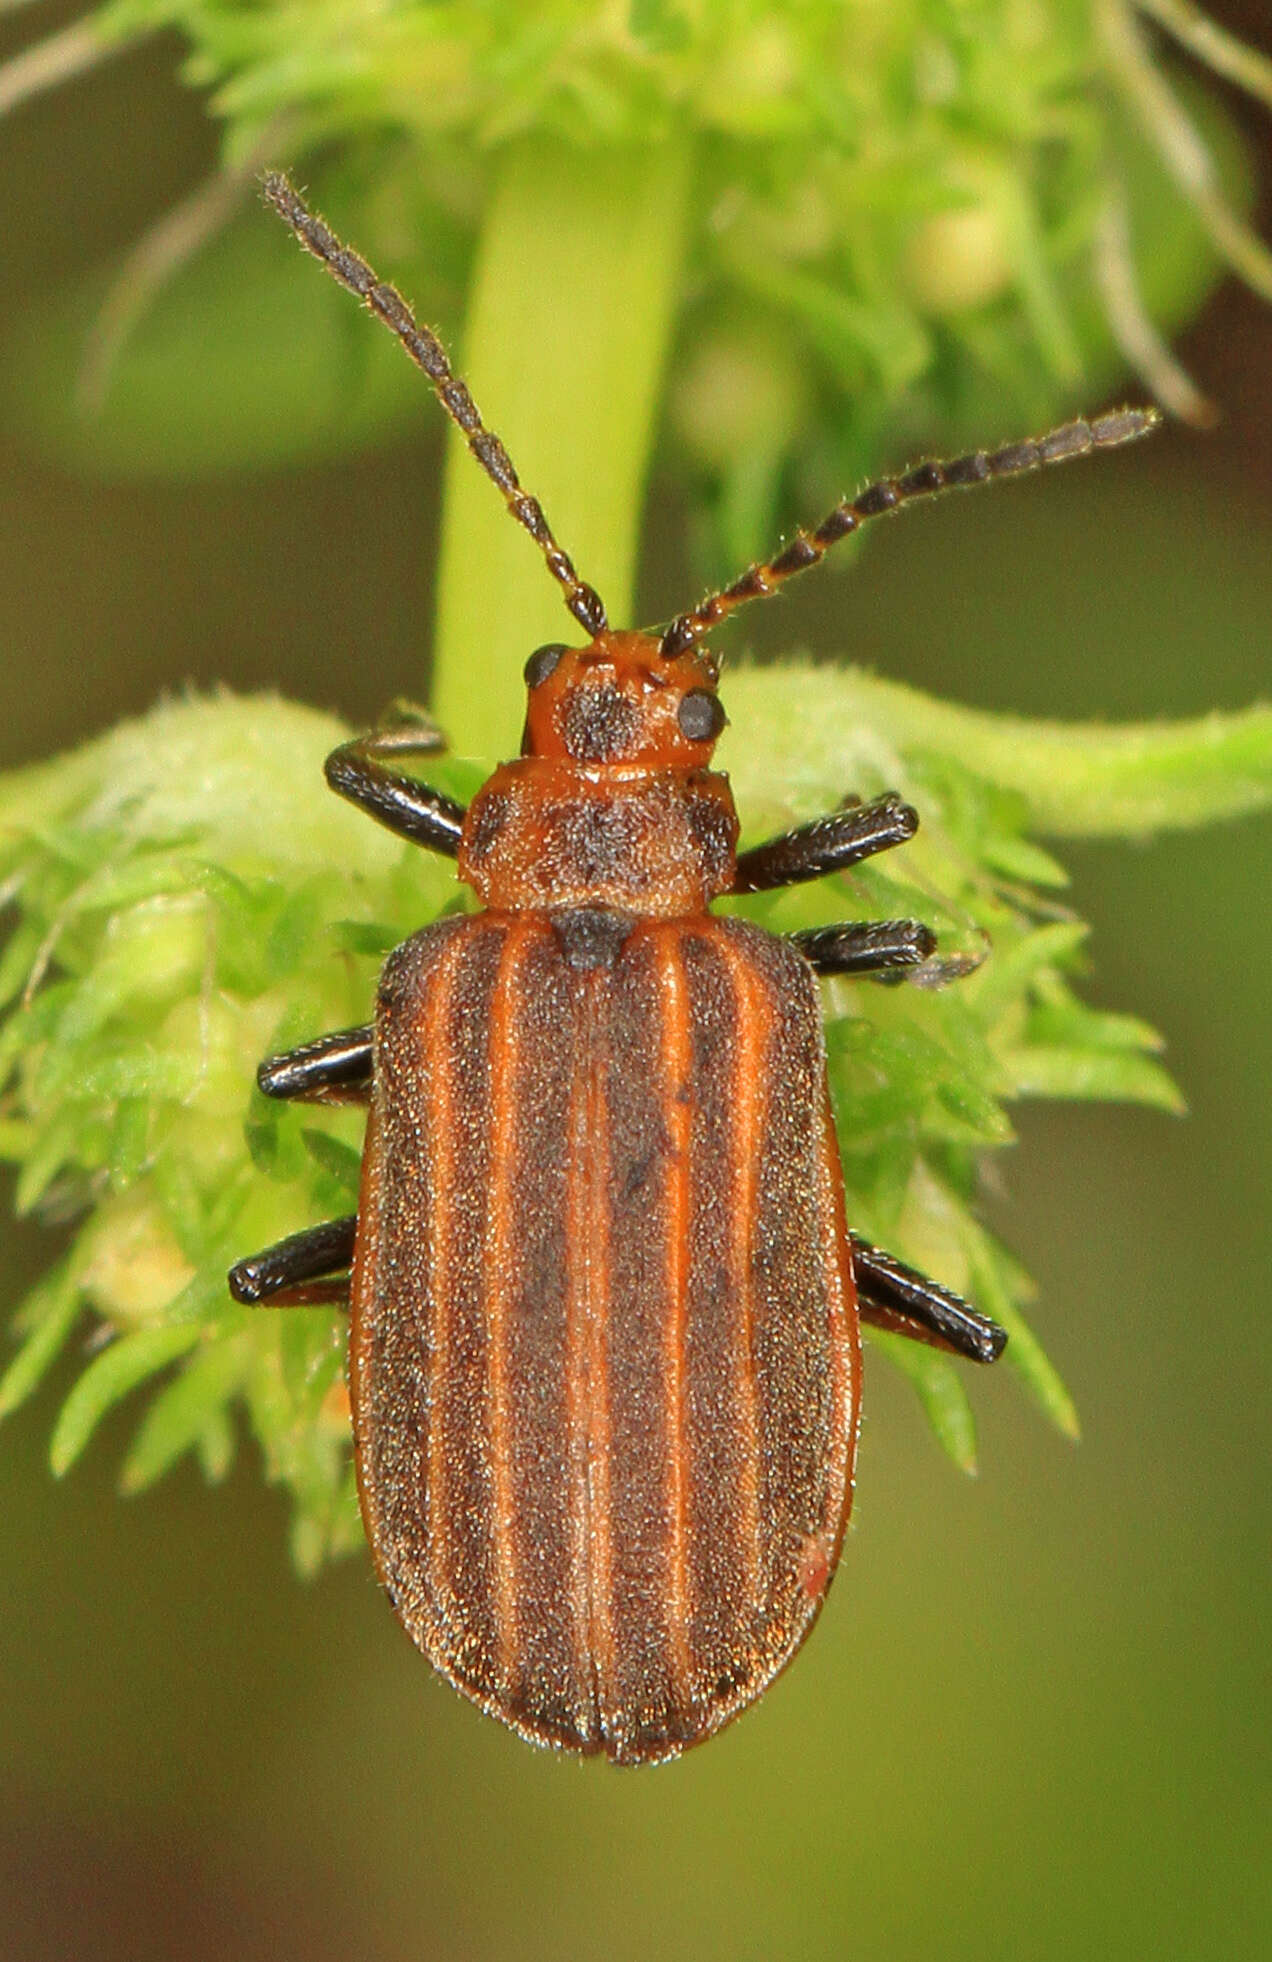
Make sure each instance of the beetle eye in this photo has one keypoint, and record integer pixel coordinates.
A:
(701, 716)
(542, 662)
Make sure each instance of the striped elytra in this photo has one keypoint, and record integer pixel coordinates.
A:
(604, 1354)
(604, 1361)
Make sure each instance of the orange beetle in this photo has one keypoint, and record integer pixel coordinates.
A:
(605, 1361)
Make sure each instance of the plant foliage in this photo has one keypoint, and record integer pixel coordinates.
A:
(930, 220)
(838, 230)
(186, 896)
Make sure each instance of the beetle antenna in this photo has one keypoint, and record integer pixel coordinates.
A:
(428, 353)
(925, 480)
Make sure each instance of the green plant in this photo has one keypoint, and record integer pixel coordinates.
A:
(819, 263)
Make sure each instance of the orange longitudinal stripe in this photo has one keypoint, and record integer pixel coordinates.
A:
(577, 1419)
(435, 1070)
(677, 1060)
(502, 1055)
(590, 1289)
(749, 1112)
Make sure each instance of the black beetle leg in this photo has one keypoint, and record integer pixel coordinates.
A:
(866, 946)
(333, 1069)
(897, 1297)
(303, 1271)
(828, 844)
(407, 807)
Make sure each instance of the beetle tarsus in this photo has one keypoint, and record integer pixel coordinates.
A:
(333, 1069)
(897, 1297)
(410, 809)
(866, 946)
(282, 1275)
(828, 844)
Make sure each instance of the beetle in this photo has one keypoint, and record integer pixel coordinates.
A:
(605, 1364)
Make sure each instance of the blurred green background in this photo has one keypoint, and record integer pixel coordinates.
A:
(1032, 1722)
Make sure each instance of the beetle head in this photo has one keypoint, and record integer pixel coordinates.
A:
(621, 700)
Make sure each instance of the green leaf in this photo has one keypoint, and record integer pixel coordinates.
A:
(1069, 1021)
(309, 1539)
(311, 1350)
(369, 937)
(1089, 1073)
(128, 1361)
(341, 1162)
(296, 926)
(940, 1391)
(49, 1156)
(889, 346)
(659, 25)
(215, 1446)
(178, 1420)
(1016, 858)
(803, 725)
(17, 1139)
(1017, 965)
(889, 1079)
(51, 1310)
(19, 954)
(996, 1285)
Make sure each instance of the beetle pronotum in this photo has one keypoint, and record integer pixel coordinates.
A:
(604, 1359)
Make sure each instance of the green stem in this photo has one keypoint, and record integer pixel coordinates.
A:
(568, 325)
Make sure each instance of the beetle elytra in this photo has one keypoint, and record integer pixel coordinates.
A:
(604, 1359)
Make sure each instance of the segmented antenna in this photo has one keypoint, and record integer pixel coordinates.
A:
(428, 353)
(925, 480)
